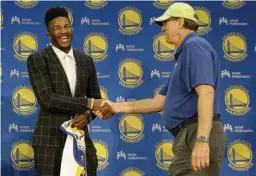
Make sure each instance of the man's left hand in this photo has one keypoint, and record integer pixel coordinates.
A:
(80, 121)
(200, 156)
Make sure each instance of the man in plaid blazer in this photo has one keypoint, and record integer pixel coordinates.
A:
(65, 84)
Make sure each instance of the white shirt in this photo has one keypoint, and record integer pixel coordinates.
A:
(69, 64)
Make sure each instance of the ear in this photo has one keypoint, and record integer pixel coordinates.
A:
(181, 22)
(49, 36)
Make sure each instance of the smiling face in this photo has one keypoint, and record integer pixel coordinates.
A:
(60, 33)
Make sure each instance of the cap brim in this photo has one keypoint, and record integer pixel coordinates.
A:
(159, 21)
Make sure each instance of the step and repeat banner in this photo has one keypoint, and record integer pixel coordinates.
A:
(133, 61)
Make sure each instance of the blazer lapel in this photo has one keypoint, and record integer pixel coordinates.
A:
(79, 69)
(55, 58)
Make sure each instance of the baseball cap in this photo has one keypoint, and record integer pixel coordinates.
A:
(177, 9)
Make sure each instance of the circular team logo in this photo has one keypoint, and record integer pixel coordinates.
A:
(26, 4)
(131, 128)
(24, 44)
(24, 101)
(132, 172)
(130, 73)
(129, 21)
(102, 154)
(204, 20)
(233, 4)
(163, 50)
(95, 45)
(240, 155)
(234, 47)
(164, 154)
(95, 4)
(237, 100)
(22, 155)
(1, 19)
(103, 93)
(162, 4)
(70, 16)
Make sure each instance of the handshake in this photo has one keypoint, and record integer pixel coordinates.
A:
(104, 109)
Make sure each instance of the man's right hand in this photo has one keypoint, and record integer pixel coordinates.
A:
(105, 103)
(104, 109)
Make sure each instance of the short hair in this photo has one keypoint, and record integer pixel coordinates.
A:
(55, 12)
(190, 24)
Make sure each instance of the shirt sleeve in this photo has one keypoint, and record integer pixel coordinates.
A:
(164, 89)
(198, 65)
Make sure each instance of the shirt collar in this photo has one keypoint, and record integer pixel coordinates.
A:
(179, 49)
(62, 54)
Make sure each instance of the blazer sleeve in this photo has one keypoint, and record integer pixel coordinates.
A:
(41, 84)
(92, 89)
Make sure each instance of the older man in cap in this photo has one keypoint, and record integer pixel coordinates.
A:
(189, 99)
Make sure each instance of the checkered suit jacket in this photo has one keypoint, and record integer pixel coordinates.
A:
(51, 87)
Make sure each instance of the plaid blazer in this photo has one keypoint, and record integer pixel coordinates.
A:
(51, 87)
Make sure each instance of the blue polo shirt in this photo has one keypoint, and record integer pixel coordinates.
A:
(196, 63)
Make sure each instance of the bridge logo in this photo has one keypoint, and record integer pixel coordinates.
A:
(162, 4)
(131, 128)
(204, 20)
(102, 154)
(24, 44)
(231, 4)
(26, 4)
(95, 45)
(103, 93)
(163, 50)
(131, 171)
(129, 21)
(22, 155)
(164, 154)
(95, 4)
(240, 155)
(70, 16)
(234, 47)
(1, 19)
(130, 73)
(24, 101)
(156, 91)
(237, 100)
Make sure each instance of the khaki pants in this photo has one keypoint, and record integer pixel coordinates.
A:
(183, 147)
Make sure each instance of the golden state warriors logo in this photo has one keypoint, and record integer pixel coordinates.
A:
(24, 101)
(234, 47)
(1, 19)
(95, 4)
(129, 21)
(131, 128)
(204, 20)
(237, 100)
(130, 73)
(70, 16)
(162, 4)
(102, 154)
(233, 4)
(96, 45)
(240, 155)
(130, 171)
(103, 93)
(22, 155)
(163, 50)
(164, 154)
(24, 44)
(26, 4)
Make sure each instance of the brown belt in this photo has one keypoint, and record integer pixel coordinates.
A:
(175, 131)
